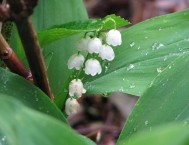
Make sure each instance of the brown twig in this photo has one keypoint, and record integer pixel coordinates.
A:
(34, 55)
(12, 61)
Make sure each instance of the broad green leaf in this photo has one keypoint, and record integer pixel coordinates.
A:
(17, 87)
(65, 30)
(165, 101)
(169, 134)
(23, 126)
(147, 49)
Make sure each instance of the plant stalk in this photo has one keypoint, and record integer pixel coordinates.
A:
(12, 61)
(34, 55)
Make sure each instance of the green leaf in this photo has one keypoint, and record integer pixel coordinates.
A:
(169, 134)
(28, 94)
(61, 31)
(147, 49)
(23, 126)
(165, 101)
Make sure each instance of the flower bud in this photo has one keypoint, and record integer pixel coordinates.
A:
(106, 52)
(71, 106)
(92, 67)
(76, 88)
(113, 37)
(76, 61)
(94, 45)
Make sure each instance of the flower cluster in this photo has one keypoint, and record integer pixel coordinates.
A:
(98, 48)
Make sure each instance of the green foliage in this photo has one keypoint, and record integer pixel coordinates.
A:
(169, 134)
(152, 62)
(28, 94)
(22, 126)
(165, 101)
(61, 31)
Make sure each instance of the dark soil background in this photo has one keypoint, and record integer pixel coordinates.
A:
(102, 118)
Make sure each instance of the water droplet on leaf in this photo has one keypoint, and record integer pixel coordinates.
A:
(159, 69)
(132, 44)
(131, 66)
(146, 122)
(131, 86)
(157, 46)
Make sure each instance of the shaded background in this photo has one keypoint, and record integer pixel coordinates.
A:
(102, 118)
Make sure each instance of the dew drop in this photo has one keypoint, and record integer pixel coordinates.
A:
(131, 86)
(157, 46)
(130, 67)
(121, 89)
(132, 44)
(165, 58)
(3, 140)
(159, 69)
(160, 29)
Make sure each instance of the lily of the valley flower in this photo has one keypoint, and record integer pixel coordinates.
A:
(71, 106)
(92, 67)
(82, 44)
(76, 61)
(94, 45)
(76, 88)
(106, 53)
(113, 37)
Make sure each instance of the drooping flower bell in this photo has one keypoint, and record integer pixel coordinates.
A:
(76, 88)
(71, 106)
(94, 45)
(82, 44)
(106, 53)
(92, 67)
(76, 61)
(113, 37)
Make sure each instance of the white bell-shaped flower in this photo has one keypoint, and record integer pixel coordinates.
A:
(106, 52)
(94, 45)
(76, 61)
(113, 37)
(82, 44)
(92, 67)
(71, 106)
(76, 88)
